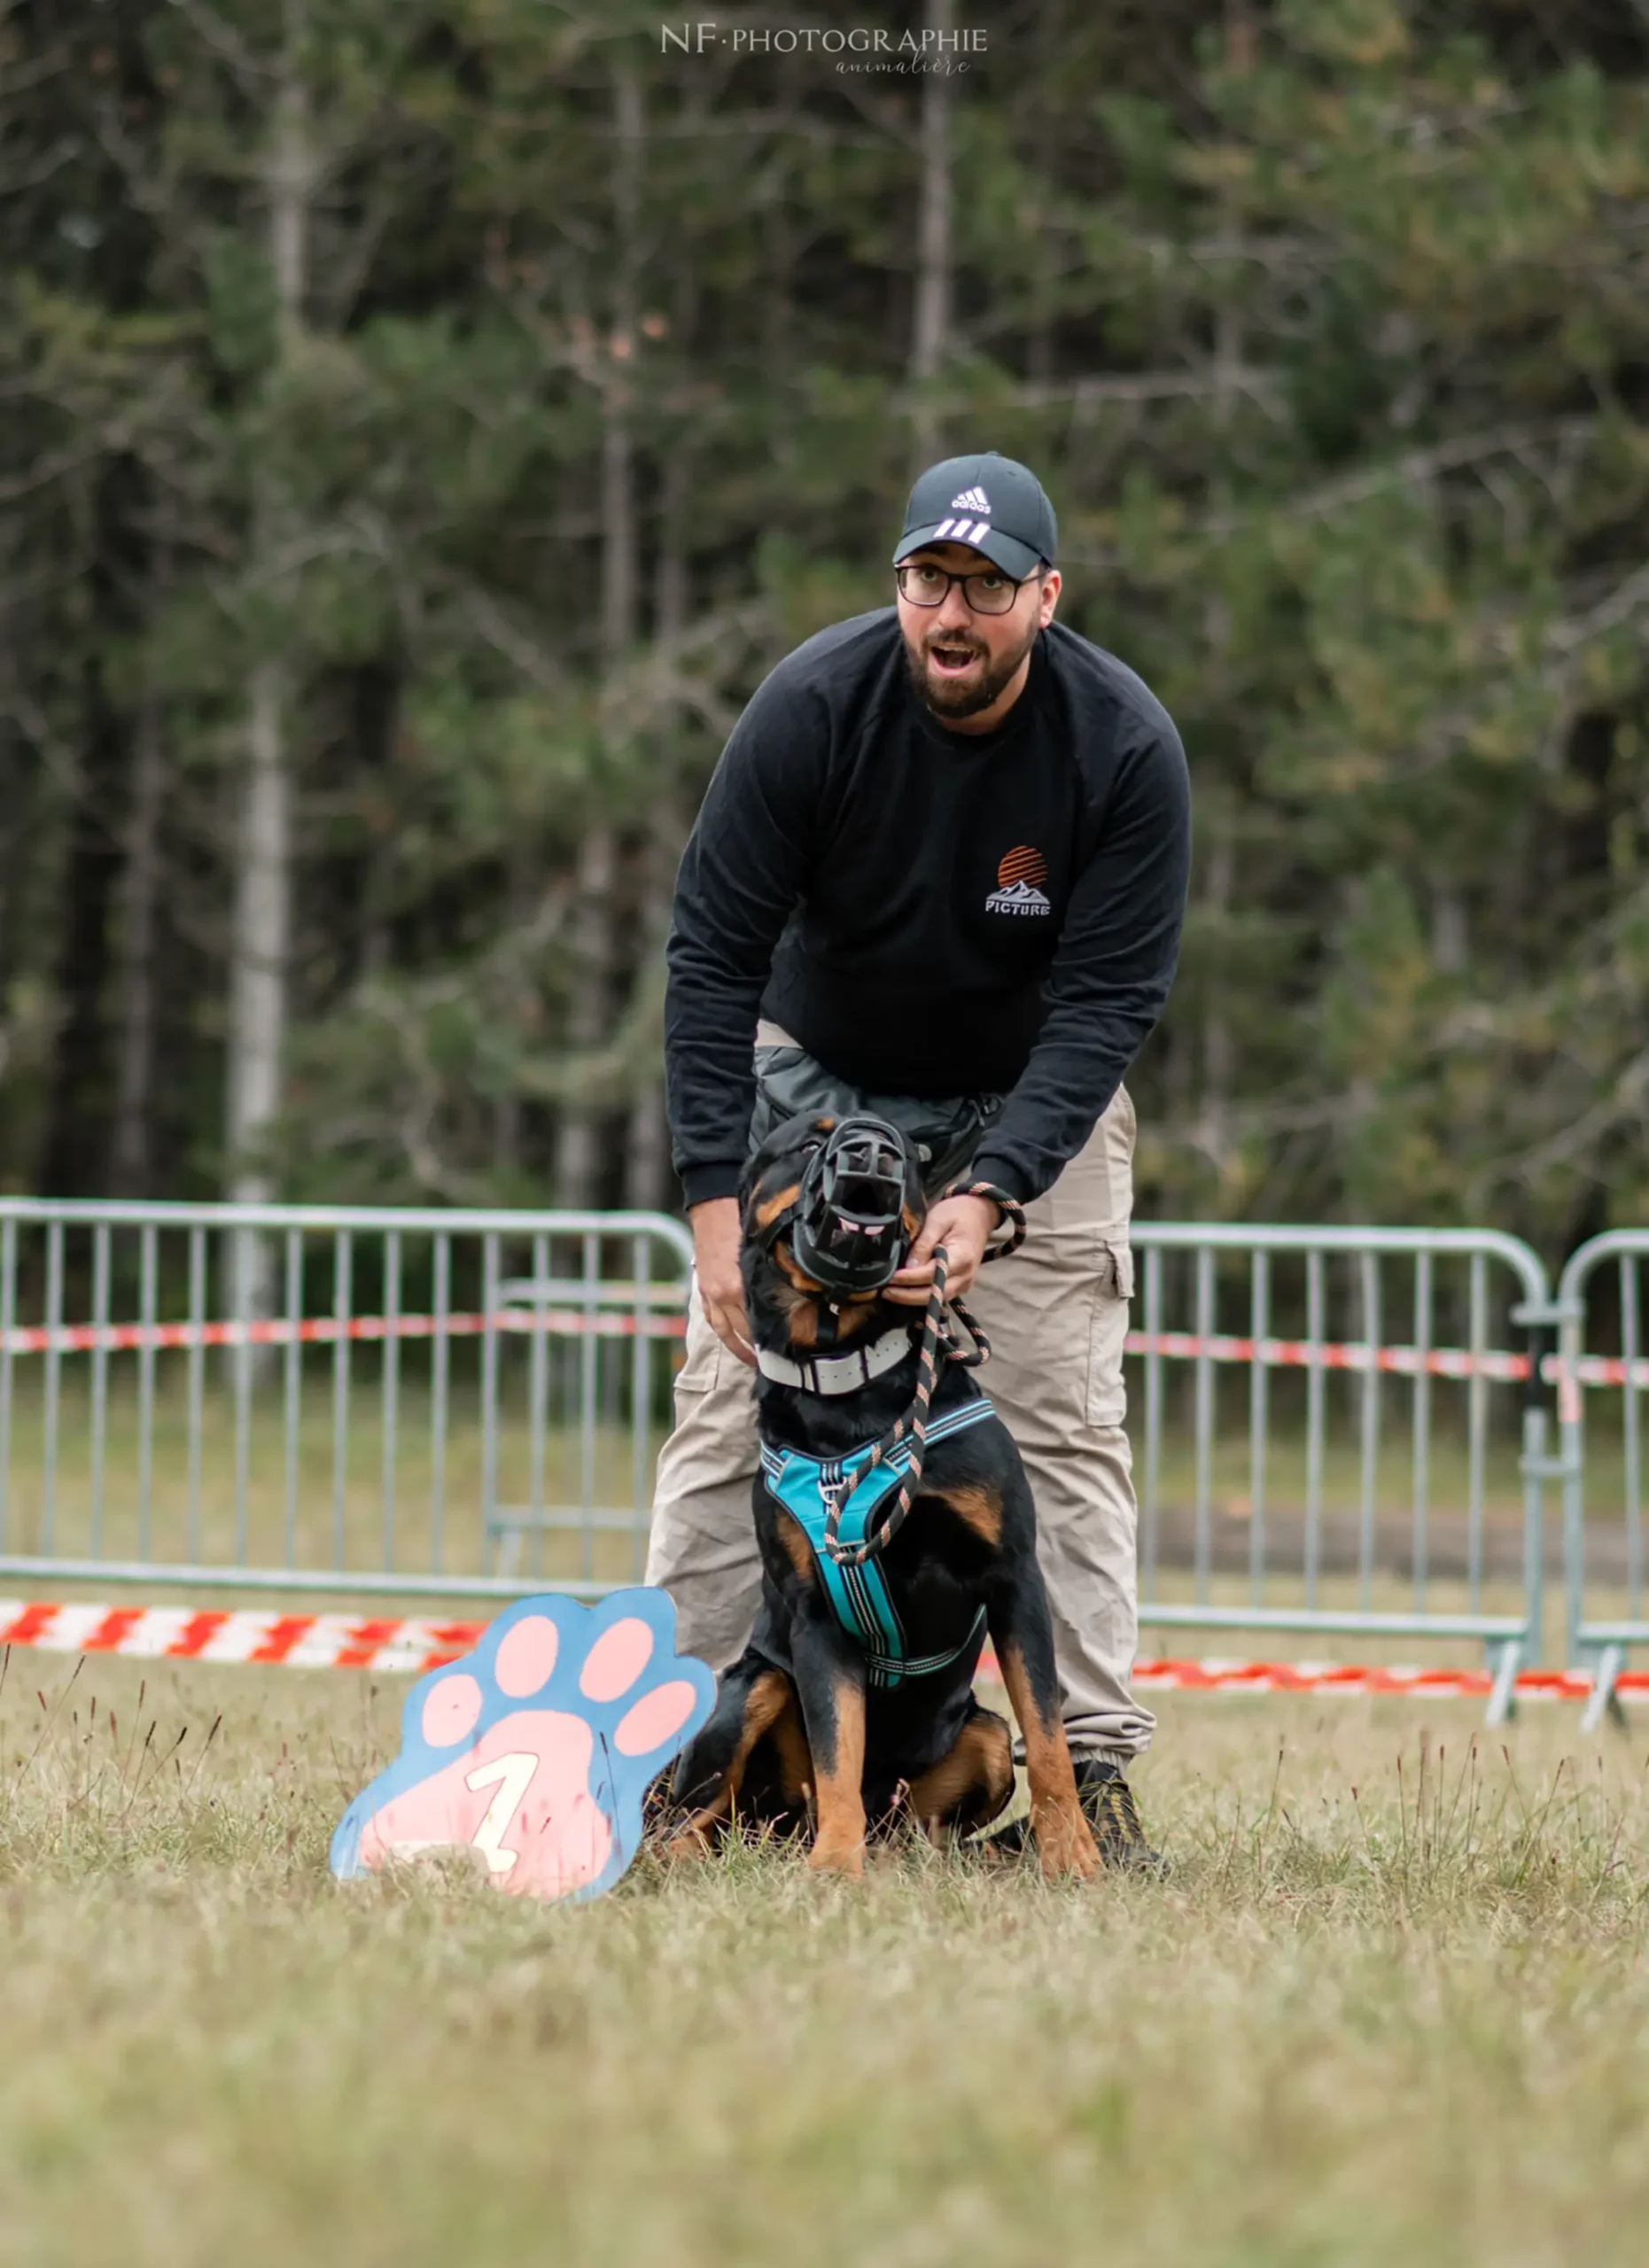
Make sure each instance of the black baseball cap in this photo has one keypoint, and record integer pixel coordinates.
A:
(988, 502)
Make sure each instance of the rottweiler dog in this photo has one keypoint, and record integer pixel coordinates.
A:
(853, 1703)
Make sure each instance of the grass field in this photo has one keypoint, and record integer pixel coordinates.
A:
(1392, 2007)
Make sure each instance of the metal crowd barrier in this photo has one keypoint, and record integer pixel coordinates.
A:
(1603, 1511)
(1284, 1501)
(469, 1405)
(444, 1403)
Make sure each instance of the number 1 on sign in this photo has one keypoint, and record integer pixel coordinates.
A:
(511, 1775)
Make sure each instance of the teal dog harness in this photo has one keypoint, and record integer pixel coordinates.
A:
(860, 1596)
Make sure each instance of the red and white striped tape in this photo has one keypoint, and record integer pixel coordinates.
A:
(236, 1634)
(415, 1644)
(1499, 1364)
(1220, 1677)
(129, 1337)
(1327, 1354)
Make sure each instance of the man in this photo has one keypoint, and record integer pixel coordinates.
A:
(939, 874)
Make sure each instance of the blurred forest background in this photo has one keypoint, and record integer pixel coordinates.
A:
(422, 423)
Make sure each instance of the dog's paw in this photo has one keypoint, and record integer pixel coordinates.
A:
(535, 1752)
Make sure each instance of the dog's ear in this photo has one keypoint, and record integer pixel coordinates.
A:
(791, 1139)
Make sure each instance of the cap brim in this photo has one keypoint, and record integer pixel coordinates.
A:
(1016, 559)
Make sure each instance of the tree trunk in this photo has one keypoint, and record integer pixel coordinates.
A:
(262, 931)
(134, 1126)
(263, 862)
(578, 1159)
(258, 976)
(931, 331)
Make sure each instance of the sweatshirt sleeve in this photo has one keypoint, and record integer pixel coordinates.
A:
(742, 875)
(1111, 971)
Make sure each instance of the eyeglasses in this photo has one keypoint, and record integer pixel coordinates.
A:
(985, 594)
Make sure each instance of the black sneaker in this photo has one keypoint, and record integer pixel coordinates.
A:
(1108, 1803)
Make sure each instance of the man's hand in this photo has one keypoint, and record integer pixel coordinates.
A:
(963, 1225)
(716, 1238)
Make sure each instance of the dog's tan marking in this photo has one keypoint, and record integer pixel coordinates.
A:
(797, 1549)
(981, 1765)
(795, 1274)
(1064, 1840)
(763, 1706)
(912, 1219)
(979, 1509)
(768, 1208)
(839, 1845)
(796, 1760)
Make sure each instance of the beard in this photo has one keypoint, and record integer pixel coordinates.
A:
(966, 694)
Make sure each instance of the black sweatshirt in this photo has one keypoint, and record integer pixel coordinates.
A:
(930, 912)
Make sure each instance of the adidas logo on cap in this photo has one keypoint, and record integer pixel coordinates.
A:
(971, 500)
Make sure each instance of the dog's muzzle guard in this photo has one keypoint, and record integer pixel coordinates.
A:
(859, 1191)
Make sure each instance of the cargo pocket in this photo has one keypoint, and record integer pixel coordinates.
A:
(1107, 1397)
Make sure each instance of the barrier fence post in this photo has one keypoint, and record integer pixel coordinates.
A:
(148, 1299)
(389, 1396)
(196, 1397)
(640, 1403)
(489, 1381)
(53, 1382)
(1537, 1320)
(1316, 1417)
(343, 1309)
(440, 1352)
(292, 1399)
(1259, 1382)
(99, 1380)
(1421, 1433)
(1604, 1640)
(1368, 1443)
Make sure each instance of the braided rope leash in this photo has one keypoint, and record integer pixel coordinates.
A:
(913, 1424)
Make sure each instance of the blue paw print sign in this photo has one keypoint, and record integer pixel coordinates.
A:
(536, 1751)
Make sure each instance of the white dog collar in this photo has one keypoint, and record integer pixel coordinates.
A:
(838, 1373)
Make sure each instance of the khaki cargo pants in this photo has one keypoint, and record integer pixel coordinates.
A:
(1056, 1314)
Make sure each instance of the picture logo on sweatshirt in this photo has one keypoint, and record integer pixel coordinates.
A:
(1017, 878)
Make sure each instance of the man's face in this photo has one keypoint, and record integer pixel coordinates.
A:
(961, 662)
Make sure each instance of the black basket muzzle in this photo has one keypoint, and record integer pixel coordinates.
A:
(851, 1231)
